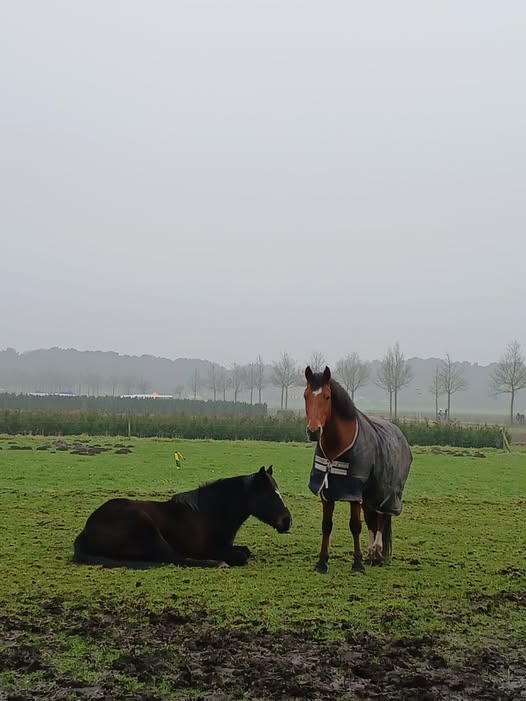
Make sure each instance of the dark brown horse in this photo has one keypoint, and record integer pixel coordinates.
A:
(192, 529)
(357, 459)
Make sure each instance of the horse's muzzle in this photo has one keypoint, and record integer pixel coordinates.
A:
(284, 524)
(313, 435)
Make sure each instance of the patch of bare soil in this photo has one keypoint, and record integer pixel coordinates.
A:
(187, 652)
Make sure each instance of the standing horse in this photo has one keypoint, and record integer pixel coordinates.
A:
(192, 529)
(357, 459)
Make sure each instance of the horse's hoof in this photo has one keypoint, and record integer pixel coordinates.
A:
(357, 567)
(321, 567)
(222, 565)
(378, 560)
(369, 560)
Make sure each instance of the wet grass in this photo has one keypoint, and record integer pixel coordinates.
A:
(458, 575)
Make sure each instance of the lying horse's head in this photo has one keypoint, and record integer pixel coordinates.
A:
(266, 503)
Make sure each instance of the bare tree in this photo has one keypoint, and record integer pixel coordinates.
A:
(223, 382)
(195, 383)
(394, 374)
(452, 380)
(144, 386)
(284, 374)
(237, 377)
(436, 387)
(509, 376)
(384, 377)
(213, 380)
(114, 383)
(317, 362)
(93, 379)
(352, 372)
(260, 376)
(128, 384)
(402, 374)
(250, 380)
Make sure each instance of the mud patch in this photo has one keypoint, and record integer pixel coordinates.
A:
(185, 651)
(487, 603)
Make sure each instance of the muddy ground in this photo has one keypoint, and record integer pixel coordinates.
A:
(189, 658)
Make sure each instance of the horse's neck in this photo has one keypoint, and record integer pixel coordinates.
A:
(338, 434)
(229, 509)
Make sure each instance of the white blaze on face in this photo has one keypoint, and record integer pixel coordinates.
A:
(279, 495)
(316, 392)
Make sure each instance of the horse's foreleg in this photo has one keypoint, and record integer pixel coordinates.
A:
(326, 529)
(234, 555)
(355, 524)
(162, 552)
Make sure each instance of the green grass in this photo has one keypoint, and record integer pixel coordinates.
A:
(458, 551)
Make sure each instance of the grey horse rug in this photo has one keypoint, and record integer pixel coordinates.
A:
(372, 470)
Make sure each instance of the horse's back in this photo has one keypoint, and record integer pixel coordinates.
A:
(122, 507)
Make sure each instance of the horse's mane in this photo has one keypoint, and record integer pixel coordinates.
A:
(227, 489)
(342, 404)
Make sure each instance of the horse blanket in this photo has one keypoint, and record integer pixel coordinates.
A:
(372, 470)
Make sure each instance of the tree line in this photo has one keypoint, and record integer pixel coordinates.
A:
(95, 373)
(394, 373)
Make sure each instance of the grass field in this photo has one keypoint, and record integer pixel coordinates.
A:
(445, 620)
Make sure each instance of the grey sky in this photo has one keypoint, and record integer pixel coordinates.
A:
(220, 179)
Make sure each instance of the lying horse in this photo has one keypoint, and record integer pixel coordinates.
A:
(357, 459)
(192, 529)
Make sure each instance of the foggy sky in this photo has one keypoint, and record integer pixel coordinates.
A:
(221, 179)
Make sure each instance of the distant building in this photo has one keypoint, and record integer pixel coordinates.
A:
(52, 394)
(152, 395)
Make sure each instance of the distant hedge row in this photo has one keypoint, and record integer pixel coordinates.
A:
(73, 423)
(453, 434)
(130, 405)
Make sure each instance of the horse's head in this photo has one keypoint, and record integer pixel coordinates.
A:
(266, 503)
(317, 401)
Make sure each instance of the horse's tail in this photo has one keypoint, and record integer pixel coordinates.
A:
(387, 537)
(79, 548)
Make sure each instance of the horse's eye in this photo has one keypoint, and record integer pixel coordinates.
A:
(327, 398)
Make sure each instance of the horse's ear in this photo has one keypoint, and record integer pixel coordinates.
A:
(308, 373)
(269, 471)
(326, 375)
(261, 470)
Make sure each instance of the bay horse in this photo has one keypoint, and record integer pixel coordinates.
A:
(357, 459)
(192, 529)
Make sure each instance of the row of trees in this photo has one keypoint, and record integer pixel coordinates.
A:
(508, 377)
(98, 373)
(393, 374)
(219, 381)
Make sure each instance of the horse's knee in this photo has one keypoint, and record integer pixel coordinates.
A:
(355, 526)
